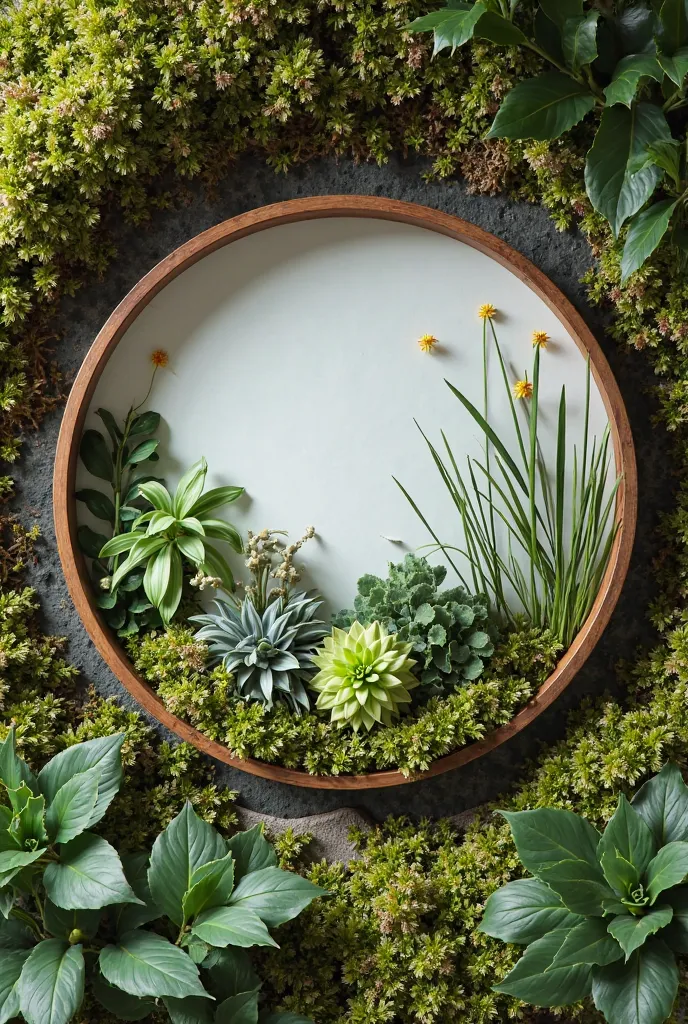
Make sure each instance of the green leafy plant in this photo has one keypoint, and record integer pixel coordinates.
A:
(176, 530)
(270, 655)
(73, 914)
(565, 564)
(119, 460)
(604, 914)
(449, 629)
(629, 62)
(365, 676)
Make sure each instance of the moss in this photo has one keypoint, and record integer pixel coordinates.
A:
(175, 665)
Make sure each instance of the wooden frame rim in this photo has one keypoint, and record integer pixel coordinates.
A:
(64, 504)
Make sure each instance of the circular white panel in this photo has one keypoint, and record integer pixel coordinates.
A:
(295, 370)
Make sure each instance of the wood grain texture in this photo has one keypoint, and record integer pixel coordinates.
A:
(74, 565)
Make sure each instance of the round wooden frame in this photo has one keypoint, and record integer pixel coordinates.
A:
(74, 565)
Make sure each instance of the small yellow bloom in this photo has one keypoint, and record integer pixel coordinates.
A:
(540, 339)
(523, 389)
(487, 311)
(159, 358)
(427, 342)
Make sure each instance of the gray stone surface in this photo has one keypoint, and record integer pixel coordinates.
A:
(564, 257)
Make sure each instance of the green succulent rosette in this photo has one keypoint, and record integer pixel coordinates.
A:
(365, 676)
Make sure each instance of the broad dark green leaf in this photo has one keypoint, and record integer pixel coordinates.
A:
(581, 886)
(14, 770)
(275, 895)
(28, 823)
(231, 972)
(627, 76)
(51, 986)
(61, 923)
(631, 932)
(675, 66)
(588, 943)
(7, 901)
(127, 916)
(111, 426)
(103, 753)
(536, 979)
(192, 1010)
(676, 934)
(71, 810)
(146, 964)
(546, 836)
(142, 451)
(667, 869)
(120, 1003)
(12, 862)
(619, 872)
(232, 926)
(615, 189)
(11, 964)
(525, 910)
(95, 455)
(187, 843)
(673, 29)
(646, 231)
(542, 108)
(90, 542)
(629, 834)
(239, 1009)
(146, 423)
(251, 852)
(98, 504)
(579, 40)
(211, 886)
(453, 26)
(88, 876)
(560, 11)
(667, 156)
(499, 30)
(15, 935)
(641, 991)
(635, 28)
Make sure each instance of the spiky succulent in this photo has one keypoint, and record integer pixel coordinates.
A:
(270, 655)
(365, 675)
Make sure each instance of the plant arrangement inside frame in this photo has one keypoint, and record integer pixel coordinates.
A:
(416, 668)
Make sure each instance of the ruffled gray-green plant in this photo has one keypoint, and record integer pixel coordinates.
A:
(269, 654)
(449, 629)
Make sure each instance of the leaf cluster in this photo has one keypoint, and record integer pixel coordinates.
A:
(449, 630)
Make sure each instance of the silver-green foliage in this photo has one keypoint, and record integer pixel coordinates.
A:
(177, 530)
(604, 915)
(450, 631)
(269, 654)
(62, 887)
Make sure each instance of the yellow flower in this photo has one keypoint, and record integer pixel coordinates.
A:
(159, 358)
(540, 339)
(487, 311)
(427, 342)
(523, 389)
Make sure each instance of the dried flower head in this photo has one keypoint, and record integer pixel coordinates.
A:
(427, 342)
(159, 358)
(540, 339)
(523, 389)
(487, 311)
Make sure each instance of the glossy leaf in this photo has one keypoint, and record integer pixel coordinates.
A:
(645, 233)
(667, 869)
(628, 834)
(622, 876)
(663, 803)
(13, 769)
(98, 504)
(111, 426)
(192, 1010)
(275, 895)
(88, 876)
(123, 1005)
(189, 489)
(157, 575)
(211, 886)
(581, 886)
(96, 456)
(15, 935)
(588, 943)
(561, 11)
(499, 30)
(173, 595)
(525, 910)
(28, 823)
(219, 530)
(546, 836)
(213, 499)
(615, 189)
(187, 843)
(104, 753)
(239, 1009)
(158, 495)
(641, 991)
(119, 544)
(71, 810)
(142, 451)
(579, 40)
(145, 423)
(90, 542)
(251, 851)
(631, 932)
(673, 29)
(542, 108)
(536, 979)
(61, 923)
(11, 964)
(232, 926)
(51, 986)
(145, 964)
(628, 75)
(127, 916)
(453, 26)
(231, 972)
(675, 66)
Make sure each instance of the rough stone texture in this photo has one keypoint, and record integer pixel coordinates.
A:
(564, 257)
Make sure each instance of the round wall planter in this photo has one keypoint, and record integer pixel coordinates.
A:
(251, 223)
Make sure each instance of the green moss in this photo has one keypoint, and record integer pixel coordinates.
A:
(175, 664)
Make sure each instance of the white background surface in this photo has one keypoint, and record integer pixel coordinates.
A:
(295, 370)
